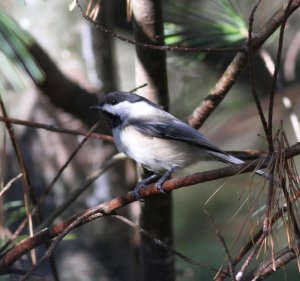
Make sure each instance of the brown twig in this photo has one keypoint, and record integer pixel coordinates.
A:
(48, 190)
(78, 191)
(162, 244)
(61, 170)
(9, 184)
(283, 167)
(137, 88)
(290, 107)
(267, 218)
(77, 221)
(14, 236)
(28, 192)
(236, 67)
(112, 205)
(253, 241)
(251, 70)
(53, 128)
(227, 252)
(282, 258)
(275, 75)
(152, 46)
(255, 249)
(245, 155)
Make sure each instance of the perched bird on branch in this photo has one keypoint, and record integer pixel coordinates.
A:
(156, 139)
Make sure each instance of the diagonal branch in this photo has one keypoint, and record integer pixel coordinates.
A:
(282, 258)
(252, 73)
(238, 64)
(53, 128)
(275, 75)
(226, 249)
(29, 196)
(143, 45)
(110, 206)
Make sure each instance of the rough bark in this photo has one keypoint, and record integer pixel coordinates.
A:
(156, 262)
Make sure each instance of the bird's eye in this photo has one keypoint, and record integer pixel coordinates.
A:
(113, 101)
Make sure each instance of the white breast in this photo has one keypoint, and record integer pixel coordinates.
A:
(156, 154)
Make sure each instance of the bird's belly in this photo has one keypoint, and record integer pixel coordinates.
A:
(157, 154)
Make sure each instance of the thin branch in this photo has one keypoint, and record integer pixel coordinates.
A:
(236, 67)
(282, 167)
(78, 191)
(48, 190)
(222, 240)
(9, 184)
(275, 75)
(139, 87)
(280, 213)
(99, 213)
(282, 258)
(53, 128)
(252, 73)
(270, 195)
(61, 170)
(152, 46)
(161, 243)
(255, 249)
(245, 155)
(27, 189)
(59, 237)
(112, 205)
(270, 66)
(267, 218)
(290, 209)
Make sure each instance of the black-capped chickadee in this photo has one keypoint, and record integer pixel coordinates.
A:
(155, 138)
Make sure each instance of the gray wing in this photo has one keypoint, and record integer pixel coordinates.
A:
(174, 129)
(177, 130)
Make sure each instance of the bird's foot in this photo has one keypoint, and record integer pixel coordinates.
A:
(167, 175)
(159, 184)
(141, 184)
(137, 191)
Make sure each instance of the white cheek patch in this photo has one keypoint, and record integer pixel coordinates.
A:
(108, 108)
(138, 110)
(134, 109)
(120, 109)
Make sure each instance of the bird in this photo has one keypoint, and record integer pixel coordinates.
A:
(156, 139)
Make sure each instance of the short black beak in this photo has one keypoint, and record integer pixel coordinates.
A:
(96, 107)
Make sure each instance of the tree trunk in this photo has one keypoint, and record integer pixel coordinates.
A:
(103, 49)
(114, 238)
(156, 262)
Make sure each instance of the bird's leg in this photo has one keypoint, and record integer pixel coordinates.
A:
(137, 190)
(167, 175)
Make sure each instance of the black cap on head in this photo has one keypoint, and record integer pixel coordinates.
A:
(117, 97)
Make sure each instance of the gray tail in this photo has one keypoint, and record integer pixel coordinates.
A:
(233, 160)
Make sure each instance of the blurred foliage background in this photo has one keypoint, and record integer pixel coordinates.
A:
(68, 40)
